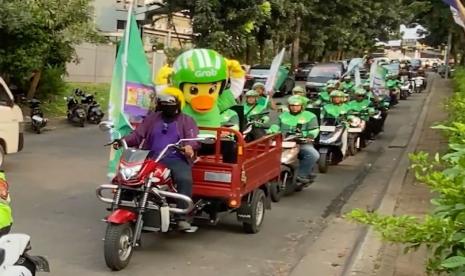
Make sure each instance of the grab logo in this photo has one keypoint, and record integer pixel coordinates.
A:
(206, 73)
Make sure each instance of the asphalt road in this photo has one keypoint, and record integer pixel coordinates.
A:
(53, 185)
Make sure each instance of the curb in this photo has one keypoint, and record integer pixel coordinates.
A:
(368, 244)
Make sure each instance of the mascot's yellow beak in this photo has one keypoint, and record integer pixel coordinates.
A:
(202, 104)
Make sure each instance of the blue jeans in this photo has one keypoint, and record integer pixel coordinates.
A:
(181, 172)
(308, 156)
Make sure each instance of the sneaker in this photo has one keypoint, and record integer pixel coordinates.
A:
(303, 179)
(312, 176)
(183, 225)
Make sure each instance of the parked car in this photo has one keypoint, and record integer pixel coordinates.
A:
(11, 123)
(302, 70)
(321, 74)
(259, 73)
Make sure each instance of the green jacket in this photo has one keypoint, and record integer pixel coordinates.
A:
(335, 111)
(349, 86)
(6, 217)
(324, 96)
(230, 118)
(392, 83)
(362, 107)
(287, 123)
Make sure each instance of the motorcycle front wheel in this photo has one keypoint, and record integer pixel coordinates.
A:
(118, 245)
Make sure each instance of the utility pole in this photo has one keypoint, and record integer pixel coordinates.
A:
(447, 55)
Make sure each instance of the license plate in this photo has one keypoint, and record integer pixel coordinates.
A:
(328, 128)
(355, 130)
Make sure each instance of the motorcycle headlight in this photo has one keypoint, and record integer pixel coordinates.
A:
(355, 121)
(129, 172)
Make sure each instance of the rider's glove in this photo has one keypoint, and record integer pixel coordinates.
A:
(117, 144)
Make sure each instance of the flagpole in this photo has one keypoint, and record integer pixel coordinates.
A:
(124, 61)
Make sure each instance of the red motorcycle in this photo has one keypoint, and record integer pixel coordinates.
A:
(143, 197)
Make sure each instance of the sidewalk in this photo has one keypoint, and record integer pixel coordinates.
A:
(415, 197)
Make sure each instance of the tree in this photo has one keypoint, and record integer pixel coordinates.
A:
(37, 34)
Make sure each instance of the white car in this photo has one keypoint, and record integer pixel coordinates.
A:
(11, 123)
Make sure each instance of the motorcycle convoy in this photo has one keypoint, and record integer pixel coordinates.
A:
(333, 124)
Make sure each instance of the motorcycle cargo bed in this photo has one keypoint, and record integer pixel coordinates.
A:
(256, 163)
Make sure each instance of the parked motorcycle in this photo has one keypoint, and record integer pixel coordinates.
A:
(38, 121)
(94, 111)
(76, 112)
(14, 257)
(144, 199)
(332, 144)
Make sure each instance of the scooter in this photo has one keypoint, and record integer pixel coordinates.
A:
(420, 84)
(144, 199)
(405, 90)
(14, 259)
(37, 116)
(76, 112)
(355, 141)
(94, 112)
(332, 144)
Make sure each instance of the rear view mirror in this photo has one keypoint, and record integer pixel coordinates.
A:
(106, 126)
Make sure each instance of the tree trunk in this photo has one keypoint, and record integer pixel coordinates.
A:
(34, 83)
(296, 42)
(261, 49)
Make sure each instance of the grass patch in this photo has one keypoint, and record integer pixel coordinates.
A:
(55, 105)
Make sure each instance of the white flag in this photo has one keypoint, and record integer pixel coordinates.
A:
(271, 80)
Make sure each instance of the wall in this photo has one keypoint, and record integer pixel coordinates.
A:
(95, 64)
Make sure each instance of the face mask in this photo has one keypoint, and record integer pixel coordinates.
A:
(169, 111)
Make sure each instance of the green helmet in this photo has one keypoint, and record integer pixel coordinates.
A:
(360, 92)
(295, 100)
(337, 93)
(252, 93)
(199, 66)
(257, 85)
(298, 89)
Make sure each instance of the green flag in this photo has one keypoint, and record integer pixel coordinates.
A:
(131, 86)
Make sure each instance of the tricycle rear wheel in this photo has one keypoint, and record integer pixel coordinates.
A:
(257, 213)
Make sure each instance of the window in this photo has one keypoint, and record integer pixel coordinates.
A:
(4, 98)
(120, 24)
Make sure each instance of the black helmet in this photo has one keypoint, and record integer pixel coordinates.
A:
(169, 105)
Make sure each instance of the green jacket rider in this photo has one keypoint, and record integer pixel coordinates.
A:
(361, 105)
(262, 99)
(337, 108)
(6, 217)
(252, 106)
(299, 121)
(288, 121)
(324, 97)
(392, 82)
(348, 86)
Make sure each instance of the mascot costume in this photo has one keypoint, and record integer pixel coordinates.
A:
(209, 83)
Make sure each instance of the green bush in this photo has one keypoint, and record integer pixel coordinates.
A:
(443, 230)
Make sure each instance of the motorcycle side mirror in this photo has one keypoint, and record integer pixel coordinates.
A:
(105, 126)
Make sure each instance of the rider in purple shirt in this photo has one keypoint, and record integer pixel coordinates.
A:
(167, 126)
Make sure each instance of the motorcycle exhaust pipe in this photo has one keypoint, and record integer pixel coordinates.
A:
(186, 199)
